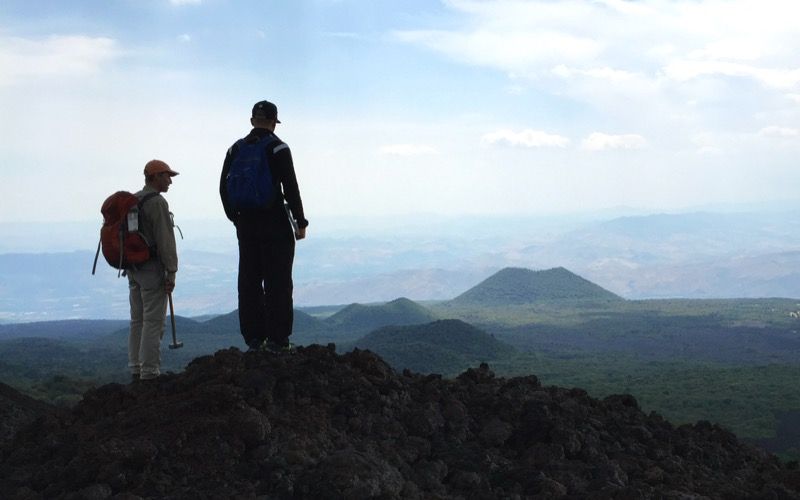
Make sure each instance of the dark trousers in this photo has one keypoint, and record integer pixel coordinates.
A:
(266, 254)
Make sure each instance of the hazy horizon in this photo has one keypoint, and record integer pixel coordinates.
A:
(650, 256)
(69, 235)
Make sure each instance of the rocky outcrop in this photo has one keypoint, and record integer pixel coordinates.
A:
(17, 411)
(315, 424)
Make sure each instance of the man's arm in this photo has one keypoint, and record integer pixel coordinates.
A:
(165, 240)
(288, 179)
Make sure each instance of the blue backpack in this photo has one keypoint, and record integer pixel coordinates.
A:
(249, 181)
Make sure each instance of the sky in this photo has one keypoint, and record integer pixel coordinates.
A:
(395, 107)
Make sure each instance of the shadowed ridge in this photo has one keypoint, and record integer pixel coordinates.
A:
(70, 328)
(365, 318)
(450, 346)
(229, 322)
(514, 285)
(315, 424)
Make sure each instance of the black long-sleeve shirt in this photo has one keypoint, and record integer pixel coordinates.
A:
(284, 181)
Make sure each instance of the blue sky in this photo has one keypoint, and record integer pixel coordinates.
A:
(405, 107)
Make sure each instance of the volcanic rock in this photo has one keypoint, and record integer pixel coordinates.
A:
(18, 410)
(315, 424)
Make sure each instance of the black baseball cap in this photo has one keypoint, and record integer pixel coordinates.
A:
(265, 109)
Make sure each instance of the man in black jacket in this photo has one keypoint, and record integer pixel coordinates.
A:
(266, 237)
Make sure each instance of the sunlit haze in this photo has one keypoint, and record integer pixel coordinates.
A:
(405, 107)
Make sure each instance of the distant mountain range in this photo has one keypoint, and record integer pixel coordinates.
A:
(450, 345)
(686, 255)
(493, 305)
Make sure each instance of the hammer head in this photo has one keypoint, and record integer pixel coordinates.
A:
(176, 345)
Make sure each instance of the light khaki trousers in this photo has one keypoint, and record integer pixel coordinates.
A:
(148, 310)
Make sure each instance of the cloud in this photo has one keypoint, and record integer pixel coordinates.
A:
(779, 132)
(707, 144)
(513, 52)
(598, 141)
(777, 78)
(185, 38)
(525, 138)
(679, 39)
(732, 49)
(185, 2)
(408, 150)
(606, 73)
(58, 56)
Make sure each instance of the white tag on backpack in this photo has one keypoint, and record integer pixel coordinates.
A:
(133, 220)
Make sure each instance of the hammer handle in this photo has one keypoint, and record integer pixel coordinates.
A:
(172, 317)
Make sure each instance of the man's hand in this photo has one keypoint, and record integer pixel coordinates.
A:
(300, 233)
(169, 286)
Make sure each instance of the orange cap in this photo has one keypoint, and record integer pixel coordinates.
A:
(156, 167)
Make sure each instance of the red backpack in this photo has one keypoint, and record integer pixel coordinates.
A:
(123, 244)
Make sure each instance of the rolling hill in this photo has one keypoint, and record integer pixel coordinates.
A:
(512, 285)
(306, 329)
(443, 346)
(229, 323)
(70, 328)
(357, 319)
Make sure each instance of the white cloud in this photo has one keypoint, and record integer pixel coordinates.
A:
(509, 51)
(794, 97)
(525, 138)
(685, 70)
(707, 144)
(408, 150)
(732, 48)
(185, 2)
(683, 39)
(598, 141)
(185, 38)
(779, 132)
(55, 56)
(610, 74)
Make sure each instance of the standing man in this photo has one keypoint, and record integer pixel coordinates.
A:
(257, 178)
(150, 282)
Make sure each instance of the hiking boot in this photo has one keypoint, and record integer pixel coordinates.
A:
(255, 345)
(276, 347)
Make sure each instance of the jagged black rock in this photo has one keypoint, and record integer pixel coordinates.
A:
(316, 424)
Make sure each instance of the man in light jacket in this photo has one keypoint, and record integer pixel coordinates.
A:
(151, 282)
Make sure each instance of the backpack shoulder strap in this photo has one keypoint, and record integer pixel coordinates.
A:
(146, 197)
(142, 216)
(250, 140)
